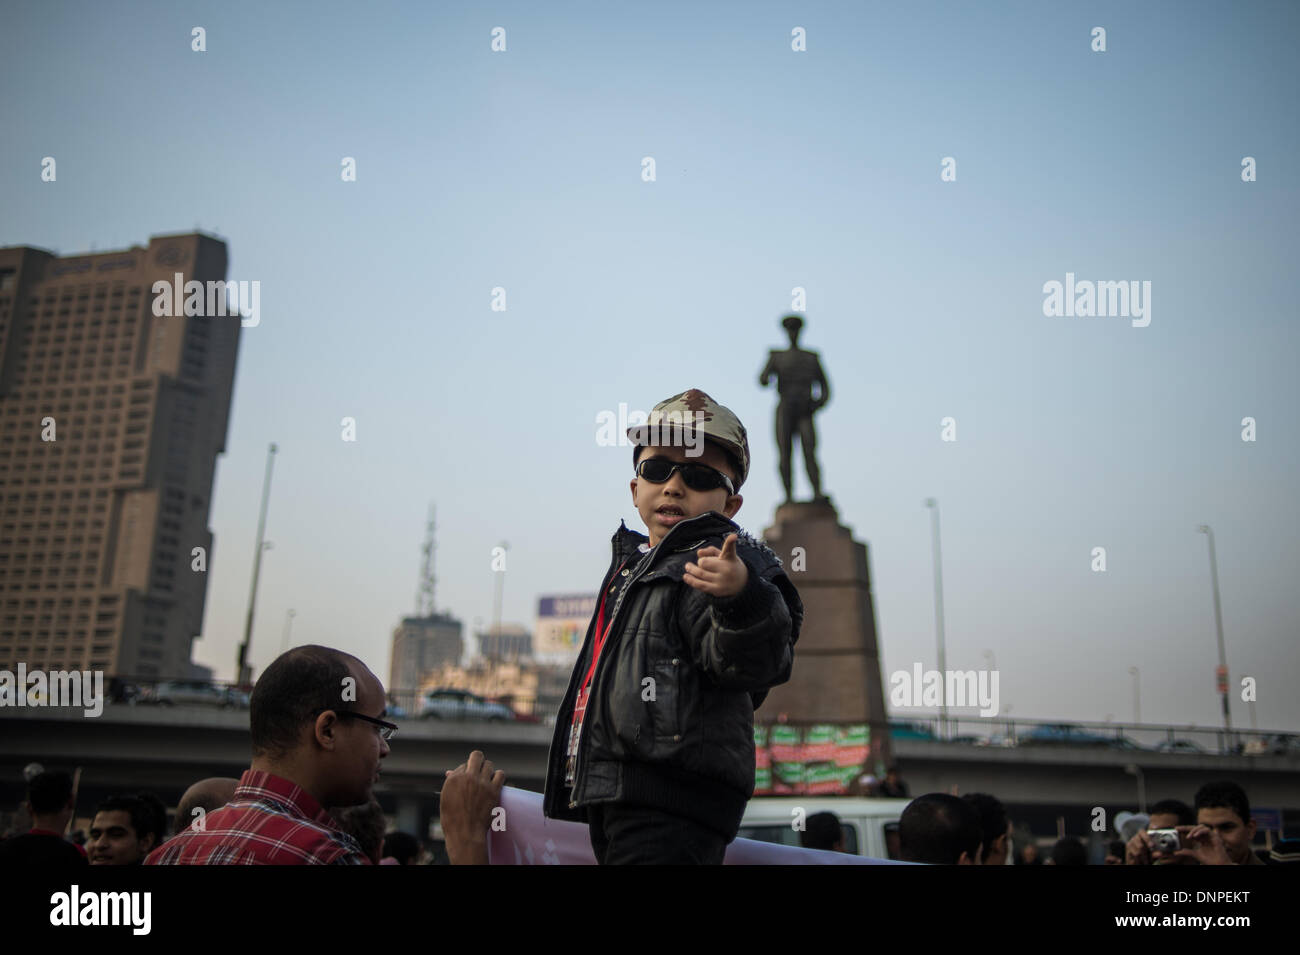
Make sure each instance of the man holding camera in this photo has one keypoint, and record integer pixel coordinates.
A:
(1221, 834)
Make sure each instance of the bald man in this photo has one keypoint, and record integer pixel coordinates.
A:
(207, 794)
(318, 734)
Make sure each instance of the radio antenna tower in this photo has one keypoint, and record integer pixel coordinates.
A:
(424, 593)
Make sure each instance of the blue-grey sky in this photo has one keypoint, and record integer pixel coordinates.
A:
(775, 169)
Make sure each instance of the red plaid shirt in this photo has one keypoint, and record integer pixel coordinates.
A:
(271, 821)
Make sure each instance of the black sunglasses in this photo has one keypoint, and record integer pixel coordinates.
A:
(698, 477)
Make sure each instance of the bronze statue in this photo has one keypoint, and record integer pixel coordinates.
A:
(796, 370)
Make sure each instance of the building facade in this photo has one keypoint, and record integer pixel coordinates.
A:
(111, 420)
(509, 641)
(422, 645)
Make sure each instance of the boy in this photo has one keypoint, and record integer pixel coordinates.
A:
(654, 742)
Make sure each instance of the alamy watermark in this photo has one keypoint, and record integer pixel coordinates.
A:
(57, 688)
(955, 688)
(1088, 299)
(673, 429)
(208, 300)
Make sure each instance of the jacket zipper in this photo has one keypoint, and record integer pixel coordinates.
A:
(595, 677)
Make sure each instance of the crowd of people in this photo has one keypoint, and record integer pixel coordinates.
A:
(319, 736)
(942, 829)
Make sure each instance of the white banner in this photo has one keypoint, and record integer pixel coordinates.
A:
(529, 838)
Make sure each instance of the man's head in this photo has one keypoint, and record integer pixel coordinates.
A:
(1223, 807)
(995, 827)
(310, 721)
(1168, 813)
(123, 831)
(1068, 851)
(49, 800)
(366, 824)
(206, 794)
(941, 830)
(822, 830)
(403, 847)
(792, 324)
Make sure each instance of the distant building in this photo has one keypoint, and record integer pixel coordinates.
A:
(509, 641)
(422, 645)
(112, 414)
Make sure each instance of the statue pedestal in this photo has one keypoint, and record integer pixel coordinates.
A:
(836, 676)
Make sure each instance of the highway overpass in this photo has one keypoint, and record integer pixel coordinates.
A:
(164, 749)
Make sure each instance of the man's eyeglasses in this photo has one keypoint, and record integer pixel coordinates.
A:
(698, 477)
(386, 729)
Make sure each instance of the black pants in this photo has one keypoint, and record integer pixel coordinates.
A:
(631, 835)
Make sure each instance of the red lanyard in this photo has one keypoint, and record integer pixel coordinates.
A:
(601, 633)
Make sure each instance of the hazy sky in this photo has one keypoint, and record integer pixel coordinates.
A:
(775, 169)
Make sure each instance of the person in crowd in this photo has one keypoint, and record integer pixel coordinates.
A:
(207, 795)
(124, 830)
(893, 785)
(1114, 852)
(50, 805)
(822, 830)
(366, 824)
(1223, 809)
(1166, 814)
(318, 738)
(402, 848)
(654, 740)
(1068, 851)
(995, 827)
(1029, 855)
(156, 819)
(940, 829)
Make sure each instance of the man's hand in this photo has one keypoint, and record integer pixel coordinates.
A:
(1202, 844)
(719, 573)
(472, 790)
(1137, 851)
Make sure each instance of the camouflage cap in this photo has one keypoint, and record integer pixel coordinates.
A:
(695, 412)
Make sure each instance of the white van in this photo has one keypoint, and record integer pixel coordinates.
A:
(870, 825)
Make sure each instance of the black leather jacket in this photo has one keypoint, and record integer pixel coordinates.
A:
(683, 743)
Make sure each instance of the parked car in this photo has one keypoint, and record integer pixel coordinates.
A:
(900, 729)
(1064, 734)
(1178, 746)
(1124, 742)
(1274, 744)
(449, 704)
(189, 693)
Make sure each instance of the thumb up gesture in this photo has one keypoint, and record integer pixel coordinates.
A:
(719, 573)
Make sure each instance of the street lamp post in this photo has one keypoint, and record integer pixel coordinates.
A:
(1254, 726)
(498, 586)
(288, 622)
(1133, 769)
(933, 505)
(1222, 673)
(243, 673)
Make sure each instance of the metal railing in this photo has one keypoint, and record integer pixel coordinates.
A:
(1138, 737)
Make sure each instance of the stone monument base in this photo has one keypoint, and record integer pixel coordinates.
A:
(836, 676)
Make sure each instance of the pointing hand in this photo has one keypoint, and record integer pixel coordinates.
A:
(719, 573)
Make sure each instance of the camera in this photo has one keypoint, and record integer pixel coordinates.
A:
(1164, 840)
